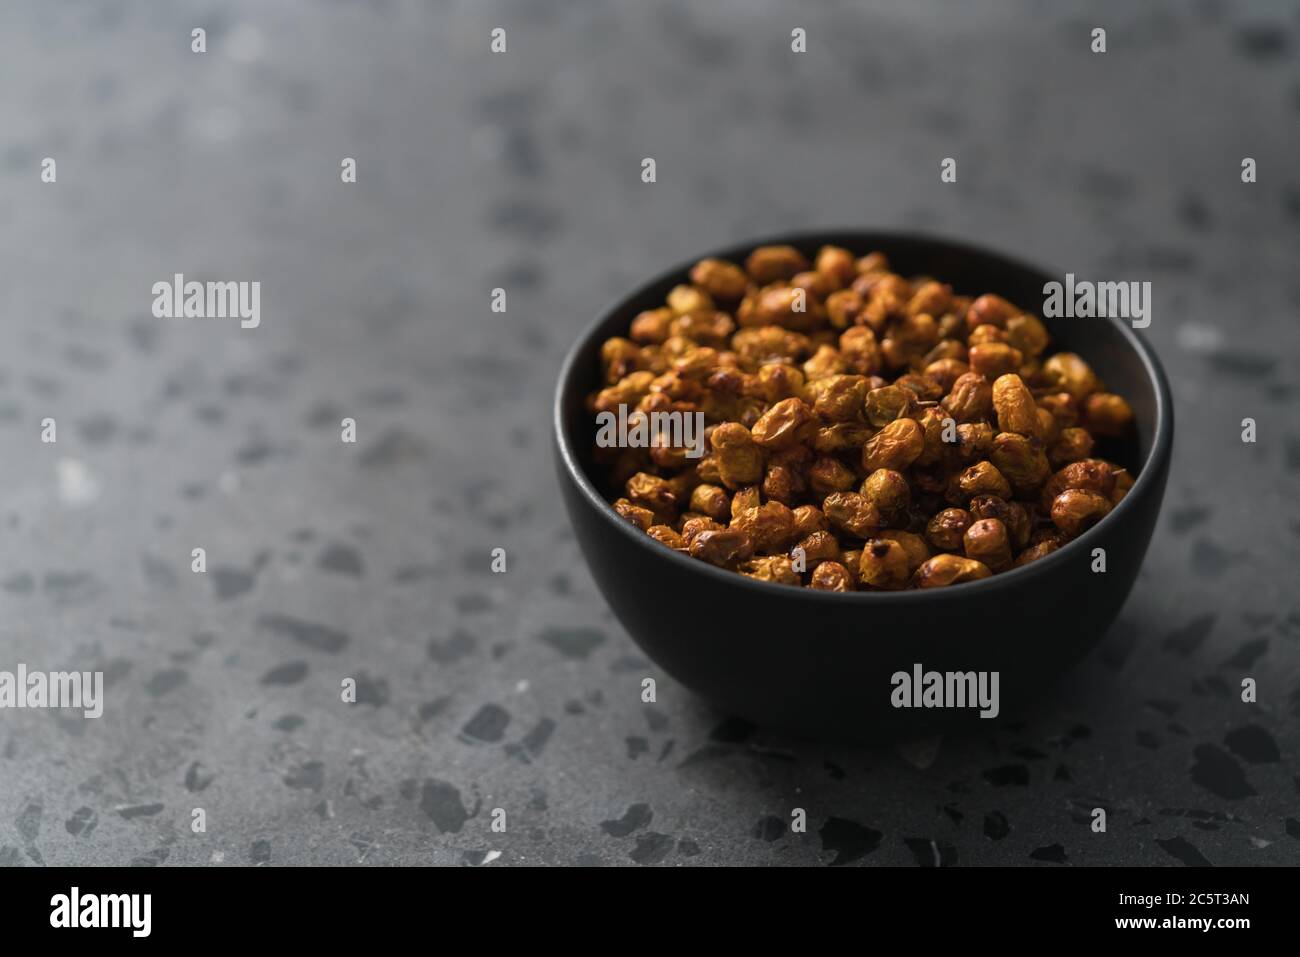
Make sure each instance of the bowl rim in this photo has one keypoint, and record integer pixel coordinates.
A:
(1161, 440)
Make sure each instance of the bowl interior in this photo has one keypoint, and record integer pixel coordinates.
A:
(1123, 362)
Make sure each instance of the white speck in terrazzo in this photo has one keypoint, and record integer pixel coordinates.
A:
(77, 486)
(1199, 338)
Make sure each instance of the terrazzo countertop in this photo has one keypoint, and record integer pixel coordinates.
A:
(371, 560)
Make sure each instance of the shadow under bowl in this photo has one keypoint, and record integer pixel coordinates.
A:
(822, 662)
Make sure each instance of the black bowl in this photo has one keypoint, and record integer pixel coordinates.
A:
(824, 662)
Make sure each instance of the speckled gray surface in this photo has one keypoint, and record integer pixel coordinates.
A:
(519, 691)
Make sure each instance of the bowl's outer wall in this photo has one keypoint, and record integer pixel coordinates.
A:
(780, 656)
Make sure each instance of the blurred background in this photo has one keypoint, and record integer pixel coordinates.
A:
(522, 170)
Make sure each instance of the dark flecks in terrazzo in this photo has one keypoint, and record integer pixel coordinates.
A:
(289, 673)
(461, 644)
(254, 452)
(71, 587)
(308, 776)
(97, 429)
(1293, 828)
(21, 583)
(1241, 364)
(687, 848)
(230, 583)
(324, 414)
(198, 777)
(341, 559)
(393, 448)
(167, 680)
(1247, 654)
(1252, 743)
(1193, 212)
(1189, 637)
(1217, 772)
(129, 812)
(1052, 853)
(635, 817)
(531, 746)
(769, 829)
(524, 275)
(1183, 520)
(524, 218)
(410, 574)
(1212, 684)
(260, 852)
(82, 822)
(488, 725)
(28, 825)
(1008, 774)
(1209, 560)
(1291, 453)
(431, 709)
(655, 718)
(213, 415)
(155, 858)
(1184, 850)
(442, 803)
(628, 664)
(636, 746)
(473, 602)
(315, 636)
(651, 848)
(666, 750)
(1263, 41)
(372, 690)
(848, 840)
(573, 643)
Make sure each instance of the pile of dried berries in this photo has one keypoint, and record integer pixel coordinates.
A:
(864, 431)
